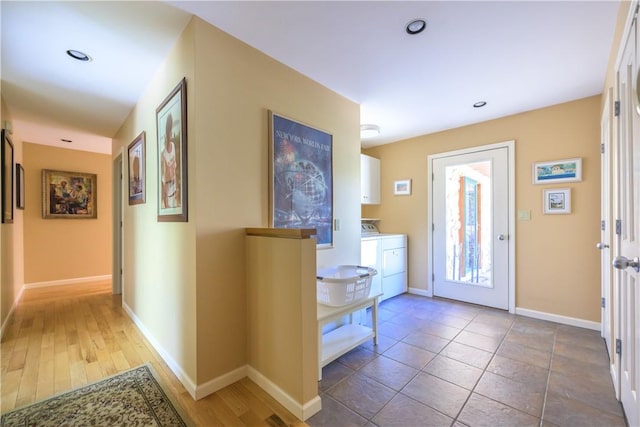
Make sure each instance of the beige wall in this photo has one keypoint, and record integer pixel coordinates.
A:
(64, 249)
(557, 266)
(159, 259)
(11, 242)
(186, 282)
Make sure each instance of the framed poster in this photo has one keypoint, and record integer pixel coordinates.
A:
(569, 170)
(7, 178)
(300, 177)
(557, 201)
(69, 195)
(171, 124)
(137, 170)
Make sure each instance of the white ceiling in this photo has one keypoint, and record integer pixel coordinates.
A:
(515, 55)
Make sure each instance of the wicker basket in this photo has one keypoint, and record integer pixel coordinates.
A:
(344, 284)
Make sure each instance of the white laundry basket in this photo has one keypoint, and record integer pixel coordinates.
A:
(343, 284)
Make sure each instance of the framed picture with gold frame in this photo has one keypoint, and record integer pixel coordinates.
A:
(69, 195)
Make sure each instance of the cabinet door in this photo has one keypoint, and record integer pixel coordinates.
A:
(369, 180)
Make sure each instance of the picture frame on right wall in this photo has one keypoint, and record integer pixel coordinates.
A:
(171, 127)
(556, 201)
(137, 170)
(402, 187)
(567, 170)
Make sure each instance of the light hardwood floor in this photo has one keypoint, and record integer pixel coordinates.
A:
(63, 337)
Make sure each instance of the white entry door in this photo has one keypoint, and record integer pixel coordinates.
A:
(627, 236)
(470, 226)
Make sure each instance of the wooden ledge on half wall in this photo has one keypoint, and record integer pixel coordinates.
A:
(284, 233)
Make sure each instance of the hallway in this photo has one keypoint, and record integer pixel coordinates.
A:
(63, 337)
(440, 363)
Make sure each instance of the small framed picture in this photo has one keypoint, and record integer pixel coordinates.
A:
(557, 201)
(568, 170)
(137, 170)
(402, 187)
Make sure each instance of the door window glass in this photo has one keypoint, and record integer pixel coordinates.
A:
(468, 223)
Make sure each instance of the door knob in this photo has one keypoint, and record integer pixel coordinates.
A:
(501, 237)
(601, 245)
(621, 263)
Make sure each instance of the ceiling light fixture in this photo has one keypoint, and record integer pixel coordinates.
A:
(80, 56)
(369, 131)
(479, 104)
(416, 26)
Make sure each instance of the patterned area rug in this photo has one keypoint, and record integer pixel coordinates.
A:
(131, 398)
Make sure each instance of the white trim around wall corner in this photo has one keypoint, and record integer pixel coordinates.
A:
(571, 321)
(303, 411)
(421, 292)
(13, 308)
(67, 281)
(186, 381)
(220, 382)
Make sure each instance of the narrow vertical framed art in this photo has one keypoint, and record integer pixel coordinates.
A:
(171, 125)
(137, 170)
(19, 186)
(7, 178)
(300, 178)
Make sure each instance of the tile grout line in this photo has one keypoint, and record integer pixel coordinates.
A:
(546, 389)
(483, 371)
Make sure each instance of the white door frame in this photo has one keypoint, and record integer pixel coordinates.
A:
(607, 129)
(510, 145)
(118, 218)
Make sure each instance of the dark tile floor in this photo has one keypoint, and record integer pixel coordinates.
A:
(443, 363)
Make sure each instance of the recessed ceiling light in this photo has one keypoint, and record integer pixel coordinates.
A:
(369, 131)
(80, 56)
(65, 140)
(416, 26)
(479, 104)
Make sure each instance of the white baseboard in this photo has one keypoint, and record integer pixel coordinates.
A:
(421, 292)
(302, 411)
(5, 323)
(220, 382)
(571, 321)
(173, 365)
(67, 281)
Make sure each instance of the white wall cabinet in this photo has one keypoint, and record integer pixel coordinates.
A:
(387, 253)
(369, 180)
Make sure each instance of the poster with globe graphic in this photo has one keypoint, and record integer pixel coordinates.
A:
(301, 178)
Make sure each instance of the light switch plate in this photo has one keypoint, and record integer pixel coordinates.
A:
(524, 215)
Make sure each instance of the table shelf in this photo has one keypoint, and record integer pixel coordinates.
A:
(345, 338)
